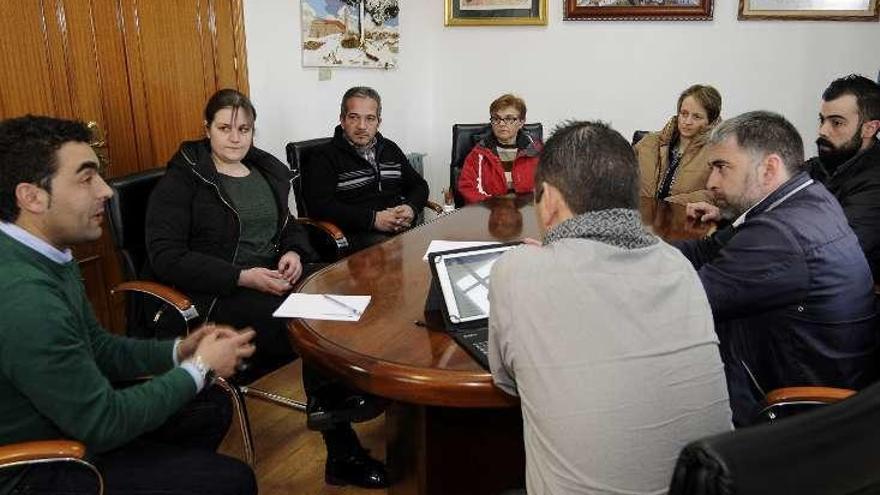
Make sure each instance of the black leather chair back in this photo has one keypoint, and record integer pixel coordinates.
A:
(298, 155)
(833, 449)
(638, 135)
(464, 137)
(126, 214)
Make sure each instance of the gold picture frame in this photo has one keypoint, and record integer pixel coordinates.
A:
(496, 12)
(816, 10)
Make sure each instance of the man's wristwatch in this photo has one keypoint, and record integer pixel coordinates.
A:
(203, 368)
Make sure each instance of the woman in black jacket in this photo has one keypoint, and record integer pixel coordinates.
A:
(219, 229)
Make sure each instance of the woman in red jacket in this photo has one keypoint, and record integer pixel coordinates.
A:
(504, 160)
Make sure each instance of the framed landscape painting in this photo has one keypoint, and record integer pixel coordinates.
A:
(638, 10)
(350, 33)
(814, 10)
(496, 12)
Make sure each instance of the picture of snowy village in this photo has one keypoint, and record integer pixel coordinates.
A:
(350, 33)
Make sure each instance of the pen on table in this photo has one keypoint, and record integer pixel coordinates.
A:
(340, 303)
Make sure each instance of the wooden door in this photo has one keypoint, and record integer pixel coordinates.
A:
(141, 70)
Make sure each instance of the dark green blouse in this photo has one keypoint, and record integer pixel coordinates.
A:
(253, 200)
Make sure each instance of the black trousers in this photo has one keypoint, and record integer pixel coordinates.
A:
(248, 307)
(178, 458)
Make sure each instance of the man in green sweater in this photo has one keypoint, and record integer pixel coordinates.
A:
(58, 366)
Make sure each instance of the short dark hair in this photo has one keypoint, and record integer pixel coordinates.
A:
(28, 154)
(508, 100)
(866, 91)
(228, 98)
(592, 165)
(360, 92)
(707, 96)
(761, 133)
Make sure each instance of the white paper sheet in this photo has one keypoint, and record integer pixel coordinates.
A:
(323, 307)
(436, 246)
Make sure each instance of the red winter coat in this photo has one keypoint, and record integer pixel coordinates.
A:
(482, 175)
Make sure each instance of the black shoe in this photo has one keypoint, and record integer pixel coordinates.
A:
(358, 469)
(322, 415)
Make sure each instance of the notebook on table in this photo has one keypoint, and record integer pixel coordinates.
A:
(460, 289)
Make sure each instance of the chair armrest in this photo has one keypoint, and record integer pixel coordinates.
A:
(785, 401)
(438, 209)
(171, 296)
(168, 295)
(330, 229)
(41, 450)
(824, 395)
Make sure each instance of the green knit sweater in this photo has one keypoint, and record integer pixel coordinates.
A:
(57, 364)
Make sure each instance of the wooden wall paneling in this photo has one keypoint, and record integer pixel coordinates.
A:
(55, 19)
(207, 21)
(136, 89)
(227, 36)
(241, 67)
(80, 60)
(25, 75)
(116, 101)
(173, 73)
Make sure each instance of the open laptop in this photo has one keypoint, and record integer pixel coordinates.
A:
(461, 277)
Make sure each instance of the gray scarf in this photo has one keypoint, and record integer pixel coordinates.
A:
(618, 227)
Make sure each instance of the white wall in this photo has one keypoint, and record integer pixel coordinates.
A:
(627, 73)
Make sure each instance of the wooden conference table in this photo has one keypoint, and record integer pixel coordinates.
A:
(449, 429)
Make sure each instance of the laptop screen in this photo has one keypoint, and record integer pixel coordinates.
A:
(464, 281)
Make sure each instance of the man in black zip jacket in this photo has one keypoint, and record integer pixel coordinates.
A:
(849, 157)
(360, 180)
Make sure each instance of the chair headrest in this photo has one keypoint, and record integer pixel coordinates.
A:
(127, 209)
(296, 150)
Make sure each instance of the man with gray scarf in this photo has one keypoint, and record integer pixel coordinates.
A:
(603, 331)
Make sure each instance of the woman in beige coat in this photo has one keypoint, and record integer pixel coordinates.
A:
(672, 162)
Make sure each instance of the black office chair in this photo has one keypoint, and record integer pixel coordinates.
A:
(299, 157)
(830, 450)
(127, 211)
(23, 454)
(465, 137)
(326, 237)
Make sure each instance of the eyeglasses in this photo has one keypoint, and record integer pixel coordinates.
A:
(505, 120)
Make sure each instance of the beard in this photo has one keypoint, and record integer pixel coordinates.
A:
(729, 211)
(832, 156)
(731, 207)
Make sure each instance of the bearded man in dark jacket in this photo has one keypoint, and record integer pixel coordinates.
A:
(849, 157)
(360, 180)
(789, 286)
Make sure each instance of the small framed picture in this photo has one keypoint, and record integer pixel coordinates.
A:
(815, 10)
(638, 10)
(496, 12)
